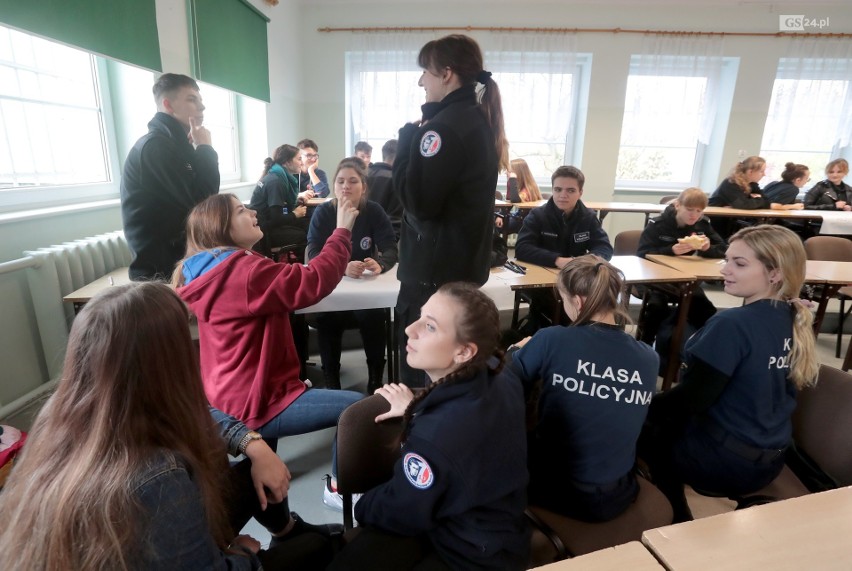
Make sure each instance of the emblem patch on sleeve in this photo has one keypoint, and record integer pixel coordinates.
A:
(418, 471)
(430, 144)
(366, 243)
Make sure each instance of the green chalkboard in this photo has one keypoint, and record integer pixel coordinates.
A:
(125, 30)
(229, 46)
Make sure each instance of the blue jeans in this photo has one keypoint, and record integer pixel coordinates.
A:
(315, 409)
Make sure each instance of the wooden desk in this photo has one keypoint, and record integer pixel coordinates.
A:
(646, 208)
(119, 276)
(809, 532)
(631, 556)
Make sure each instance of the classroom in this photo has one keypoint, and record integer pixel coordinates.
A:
(341, 71)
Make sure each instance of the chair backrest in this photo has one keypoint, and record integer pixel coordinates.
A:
(626, 243)
(366, 450)
(669, 198)
(829, 248)
(822, 423)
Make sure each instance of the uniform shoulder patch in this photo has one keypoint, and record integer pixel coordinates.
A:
(418, 471)
(366, 243)
(430, 144)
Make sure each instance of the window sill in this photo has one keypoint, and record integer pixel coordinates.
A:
(22, 215)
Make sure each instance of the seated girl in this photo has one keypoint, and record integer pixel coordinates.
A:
(457, 495)
(786, 190)
(725, 427)
(831, 193)
(242, 300)
(280, 207)
(681, 230)
(374, 252)
(596, 384)
(521, 185)
(139, 477)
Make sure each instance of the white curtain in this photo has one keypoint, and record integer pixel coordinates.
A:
(681, 55)
(536, 73)
(812, 101)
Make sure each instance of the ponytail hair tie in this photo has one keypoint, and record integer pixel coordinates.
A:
(806, 303)
(483, 76)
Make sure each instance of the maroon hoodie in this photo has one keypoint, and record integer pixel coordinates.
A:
(249, 363)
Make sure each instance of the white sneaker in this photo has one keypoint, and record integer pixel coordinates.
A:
(333, 499)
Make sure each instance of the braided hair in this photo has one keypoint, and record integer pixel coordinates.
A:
(478, 322)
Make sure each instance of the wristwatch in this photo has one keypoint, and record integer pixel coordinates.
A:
(249, 437)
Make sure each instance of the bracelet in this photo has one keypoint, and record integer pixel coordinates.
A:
(249, 437)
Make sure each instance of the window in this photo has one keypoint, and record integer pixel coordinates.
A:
(541, 101)
(809, 100)
(50, 114)
(669, 114)
(220, 117)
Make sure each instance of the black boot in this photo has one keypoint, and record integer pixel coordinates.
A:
(375, 372)
(331, 374)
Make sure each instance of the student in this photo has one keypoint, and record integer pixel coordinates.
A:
(456, 499)
(364, 151)
(669, 235)
(553, 234)
(596, 384)
(167, 172)
(242, 300)
(280, 207)
(563, 227)
(380, 183)
(138, 478)
(786, 190)
(445, 174)
(725, 427)
(831, 193)
(311, 177)
(373, 251)
(521, 185)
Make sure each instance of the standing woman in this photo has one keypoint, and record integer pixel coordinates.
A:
(456, 499)
(586, 440)
(445, 173)
(373, 251)
(725, 427)
(280, 207)
(831, 193)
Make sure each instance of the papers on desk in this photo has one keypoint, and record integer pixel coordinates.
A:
(836, 222)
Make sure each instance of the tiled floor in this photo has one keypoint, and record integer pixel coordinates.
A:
(309, 456)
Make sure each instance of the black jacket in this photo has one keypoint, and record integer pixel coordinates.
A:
(380, 190)
(461, 478)
(548, 234)
(823, 195)
(445, 174)
(164, 178)
(662, 233)
(730, 194)
(781, 192)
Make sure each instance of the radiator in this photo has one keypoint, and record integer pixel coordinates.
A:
(61, 269)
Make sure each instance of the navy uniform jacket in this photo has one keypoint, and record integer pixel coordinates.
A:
(371, 234)
(823, 195)
(597, 384)
(548, 234)
(781, 192)
(662, 233)
(461, 478)
(380, 190)
(730, 194)
(320, 189)
(445, 174)
(164, 178)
